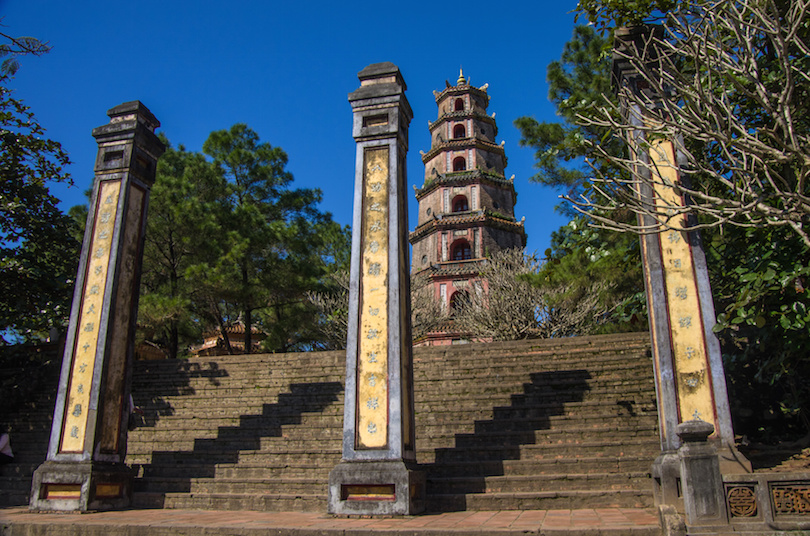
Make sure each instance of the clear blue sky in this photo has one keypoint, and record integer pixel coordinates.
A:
(285, 69)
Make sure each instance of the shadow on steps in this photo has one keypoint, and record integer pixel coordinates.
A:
(502, 437)
(202, 461)
(185, 371)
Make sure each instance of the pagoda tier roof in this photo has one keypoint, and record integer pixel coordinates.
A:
(463, 143)
(452, 268)
(458, 220)
(459, 178)
(463, 114)
(460, 90)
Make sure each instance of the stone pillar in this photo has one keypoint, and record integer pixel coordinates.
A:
(85, 469)
(377, 473)
(690, 380)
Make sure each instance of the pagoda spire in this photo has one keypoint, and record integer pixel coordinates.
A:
(461, 80)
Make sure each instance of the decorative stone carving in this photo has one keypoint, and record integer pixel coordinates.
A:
(742, 501)
(791, 499)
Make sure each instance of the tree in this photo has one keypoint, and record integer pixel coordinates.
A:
(38, 249)
(332, 304)
(274, 245)
(729, 79)
(758, 274)
(428, 314)
(609, 14)
(182, 229)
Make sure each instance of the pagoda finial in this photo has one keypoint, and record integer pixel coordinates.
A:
(461, 80)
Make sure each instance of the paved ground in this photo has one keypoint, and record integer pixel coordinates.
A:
(597, 522)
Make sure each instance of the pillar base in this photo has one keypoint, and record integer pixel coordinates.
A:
(376, 488)
(81, 487)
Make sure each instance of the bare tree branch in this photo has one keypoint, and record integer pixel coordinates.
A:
(18, 46)
(725, 85)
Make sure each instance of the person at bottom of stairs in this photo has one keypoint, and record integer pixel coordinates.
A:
(6, 455)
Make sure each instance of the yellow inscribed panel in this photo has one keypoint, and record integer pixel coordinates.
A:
(372, 370)
(87, 331)
(686, 326)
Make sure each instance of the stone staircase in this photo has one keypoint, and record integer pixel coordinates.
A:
(551, 424)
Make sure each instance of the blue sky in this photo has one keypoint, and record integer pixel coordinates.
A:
(285, 69)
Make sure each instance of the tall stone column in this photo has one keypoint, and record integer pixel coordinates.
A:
(690, 380)
(85, 467)
(377, 473)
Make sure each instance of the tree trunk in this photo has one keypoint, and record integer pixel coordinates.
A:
(248, 332)
(222, 330)
(248, 319)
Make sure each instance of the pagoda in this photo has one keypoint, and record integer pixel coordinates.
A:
(466, 204)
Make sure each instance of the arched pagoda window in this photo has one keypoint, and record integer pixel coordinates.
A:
(460, 204)
(459, 164)
(458, 300)
(461, 251)
(459, 105)
(459, 131)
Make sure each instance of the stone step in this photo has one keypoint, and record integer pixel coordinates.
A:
(315, 484)
(15, 497)
(428, 423)
(537, 381)
(486, 355)
(538, 483)
(547, 500)
(506, 368)
(152, 462)
(251, 501)
(16, 484)
(553, 466)
(272, 471)
(426, 454)
(213, 368)
(571, 450)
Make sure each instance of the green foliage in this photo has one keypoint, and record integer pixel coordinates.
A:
(38, 249)
(277, 246)
(604, 14)
(28, 369)
(730, 81)
(584, 263)
(759, 279)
